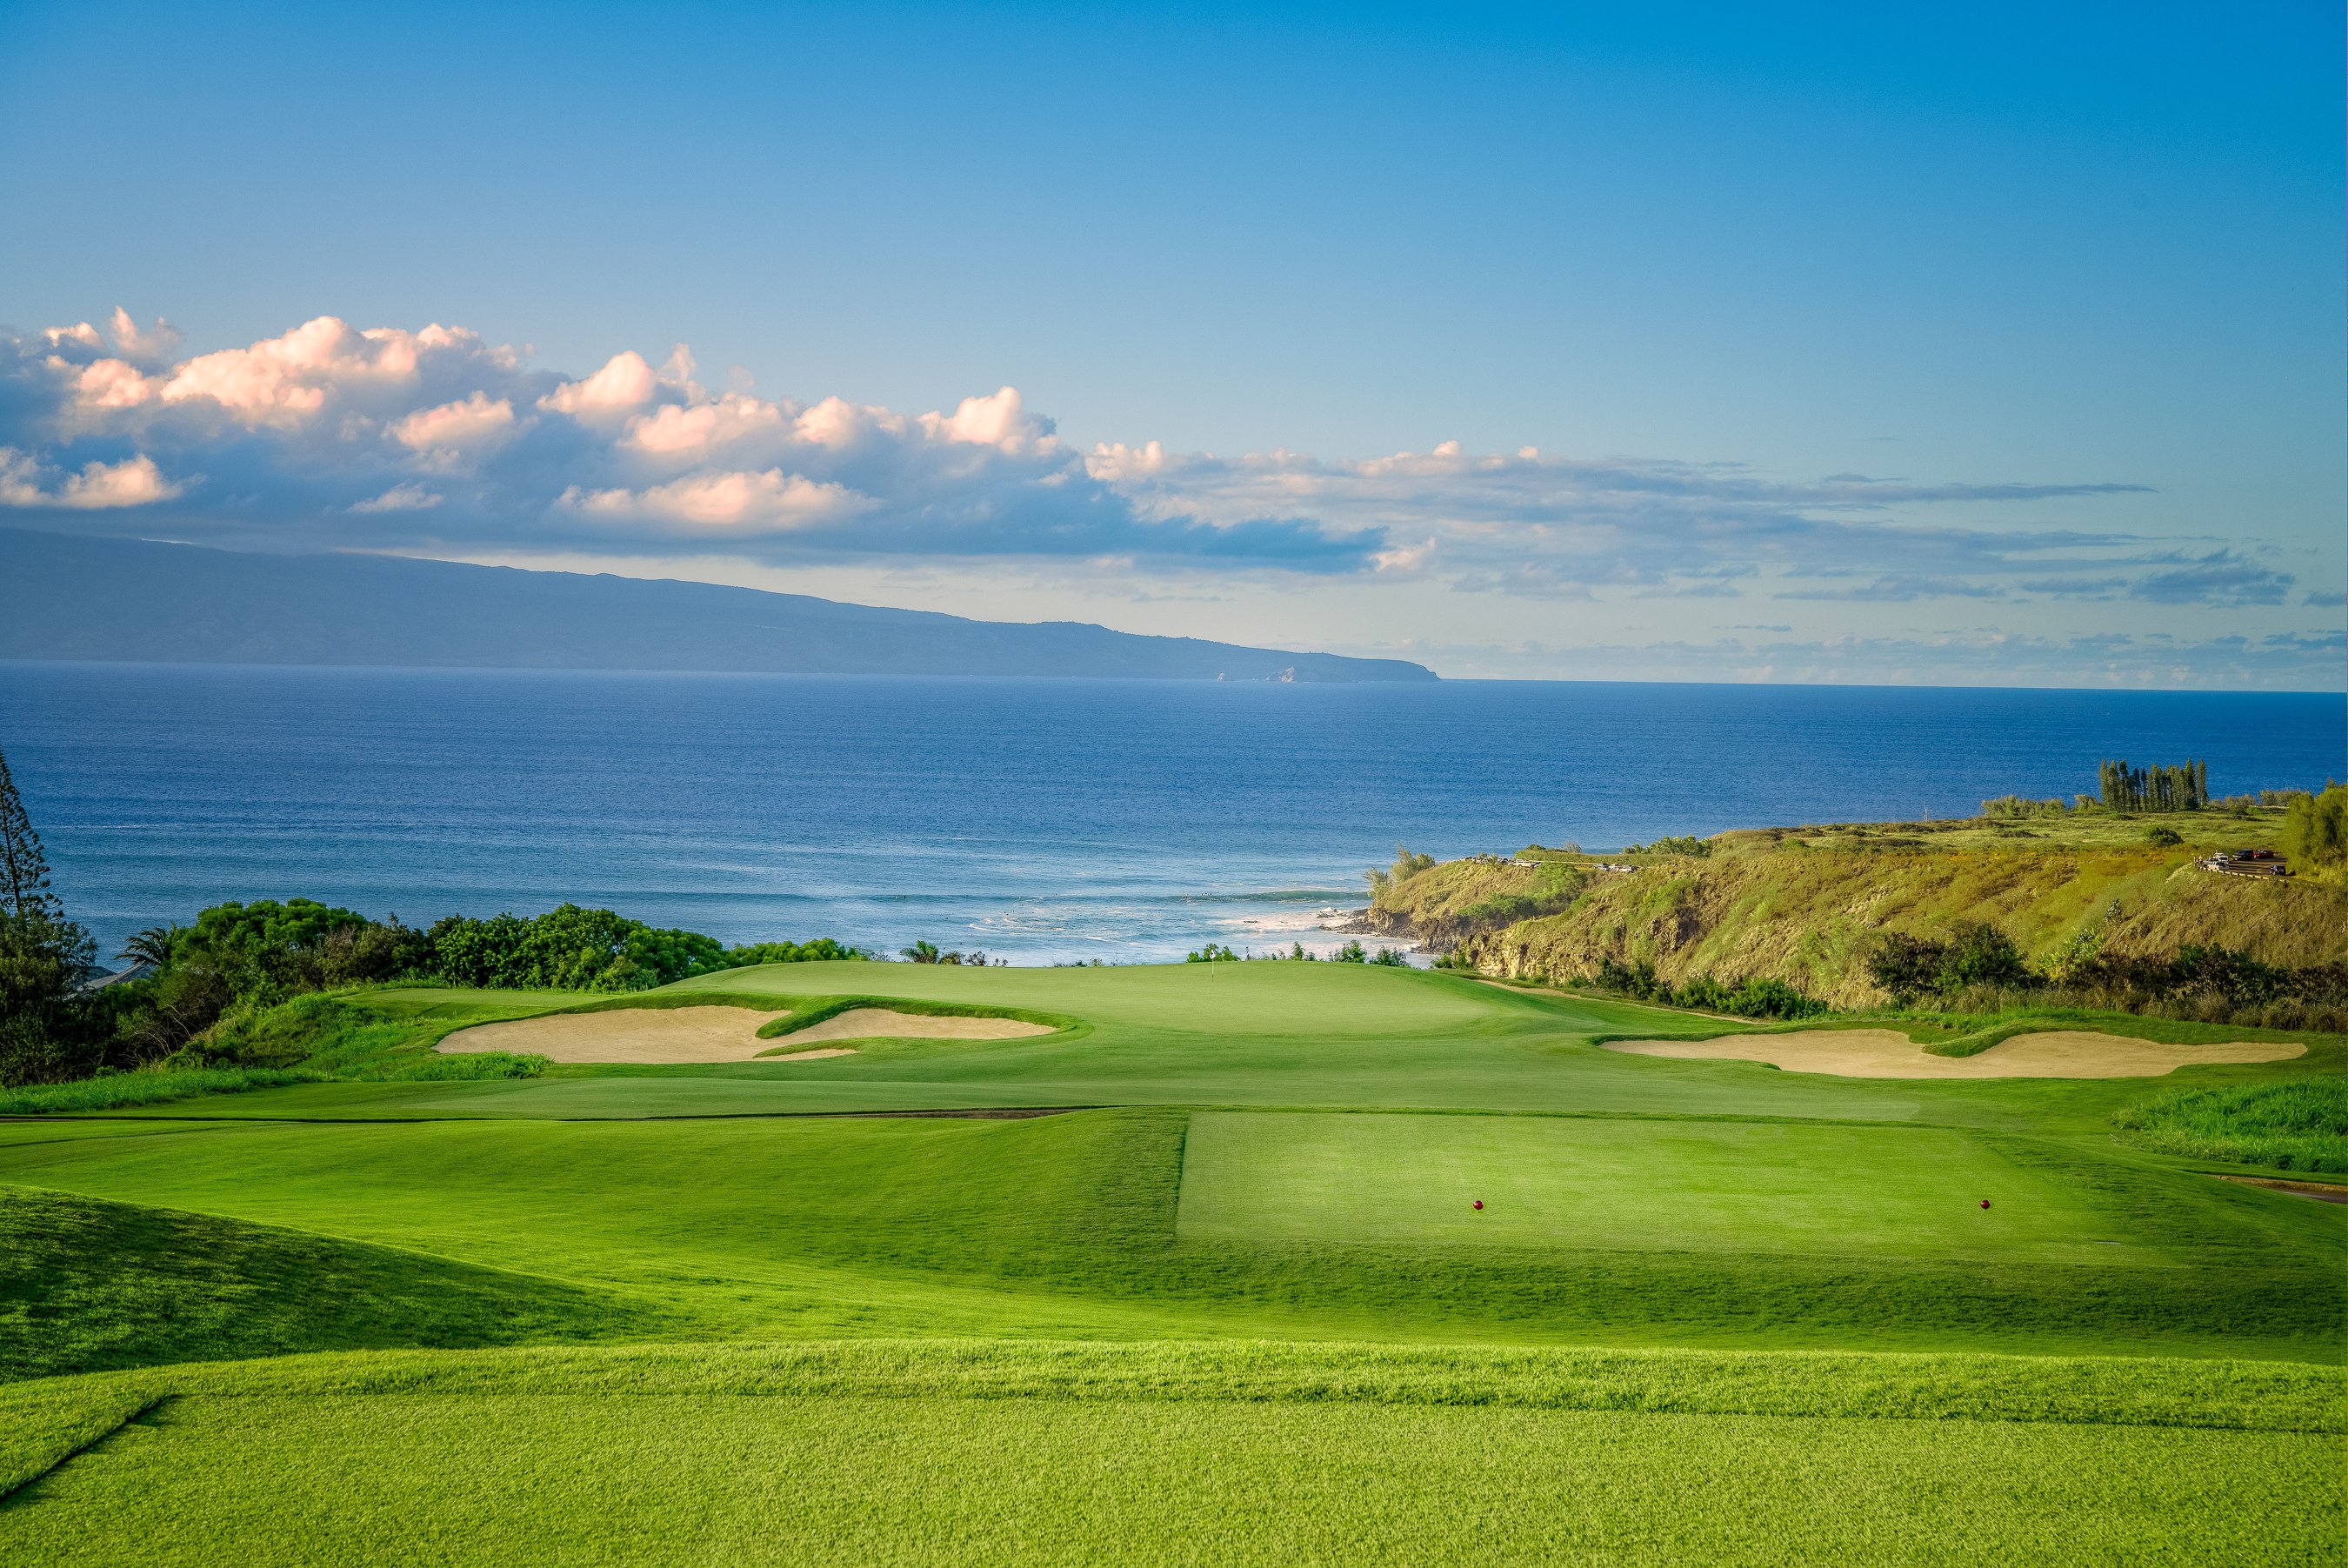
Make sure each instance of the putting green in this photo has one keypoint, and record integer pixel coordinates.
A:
(1638, 1184)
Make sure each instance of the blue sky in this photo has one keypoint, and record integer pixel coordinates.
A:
(1849, 343)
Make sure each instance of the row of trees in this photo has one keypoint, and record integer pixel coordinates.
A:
(1353, 952)
(928, 952)
(2157, 789)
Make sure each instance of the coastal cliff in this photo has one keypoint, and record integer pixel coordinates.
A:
(1805, 906)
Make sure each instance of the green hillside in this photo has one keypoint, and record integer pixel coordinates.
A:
(1802, 904)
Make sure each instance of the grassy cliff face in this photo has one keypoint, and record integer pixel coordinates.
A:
(1447, 904)
(1802, 905)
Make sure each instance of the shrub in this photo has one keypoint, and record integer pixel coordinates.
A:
(822, 950)
(1681, 844)
(1975, 955)
(1752, 997)
(2006, 806)
(1406, 866)
(568, 949)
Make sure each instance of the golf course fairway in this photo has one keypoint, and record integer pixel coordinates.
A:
(1191, 1267)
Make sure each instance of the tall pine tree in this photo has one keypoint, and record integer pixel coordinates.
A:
(24, 869)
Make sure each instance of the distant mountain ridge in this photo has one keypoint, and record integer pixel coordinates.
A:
(68, 596)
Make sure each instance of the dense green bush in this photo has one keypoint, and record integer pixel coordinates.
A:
(1980, 969)
(1752, 997)
(567, 949)
(1678, 844)
(2316, 829)
(1975, 955)
(2018, 806)
(822, 950)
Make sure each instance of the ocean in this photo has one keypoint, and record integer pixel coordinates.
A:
(1041, 820)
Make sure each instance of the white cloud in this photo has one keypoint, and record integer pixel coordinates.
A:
(997, 421)
(151, 345)
(737, 502)
(400, 498)
(677, 431)
(98, 487)
(468, 425)
(438, 439)
(287, 380)
(111, 384)
(625, 385)
(839, 424)
(1405, 559)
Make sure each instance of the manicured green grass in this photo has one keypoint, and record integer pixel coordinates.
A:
(1340, 1036)
(1286, 1163)
(2296, 1124)
(1641, 1185)
(505, 1480)
(914, 1452)
(1070, 1225)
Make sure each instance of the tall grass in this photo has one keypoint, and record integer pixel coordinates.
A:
(116, 1092)
(2299, 1124)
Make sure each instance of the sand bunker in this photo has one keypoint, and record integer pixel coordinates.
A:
(881, 1023)
(1888, 1054)
(713, 1034)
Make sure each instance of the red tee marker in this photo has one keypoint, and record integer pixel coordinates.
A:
(1984, 1202)
(1479, 1204)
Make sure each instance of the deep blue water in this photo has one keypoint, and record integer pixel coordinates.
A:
(1039, 820)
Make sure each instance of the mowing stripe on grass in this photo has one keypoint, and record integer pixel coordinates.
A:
(2229, 1395)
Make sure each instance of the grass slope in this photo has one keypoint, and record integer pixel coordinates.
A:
(85, 1284)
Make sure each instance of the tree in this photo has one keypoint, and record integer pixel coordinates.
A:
(152, 946)
(44, 1022)
(24, 869)
(2315, 827)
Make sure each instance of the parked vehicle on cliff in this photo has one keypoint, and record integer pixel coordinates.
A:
(2248, 863)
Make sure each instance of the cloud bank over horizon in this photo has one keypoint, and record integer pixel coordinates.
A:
(437, 442)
